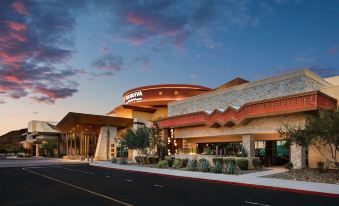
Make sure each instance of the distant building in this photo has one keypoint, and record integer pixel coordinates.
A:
(10, 142)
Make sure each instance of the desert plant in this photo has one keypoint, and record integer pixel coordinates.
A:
(289, 166)
(217, 168)
(217, 159)
(114, 160)
(321, 166)
(256, 163)
(170, 160)
(203, 165)
(138, 159)
(192, 165)
(227, 160)
(229, 166)
(176, 163)
(122, 161)
(162, 164)
(184, 162)
(243, 152)
(242, 163)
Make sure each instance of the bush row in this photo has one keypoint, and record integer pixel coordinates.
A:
(227, 165)
(146, 160)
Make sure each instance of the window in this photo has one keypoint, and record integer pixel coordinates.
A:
(160, 93)
(176, 92)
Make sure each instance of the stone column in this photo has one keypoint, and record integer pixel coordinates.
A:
(37, 150)
(249, 144)
(298, 156)
(103, 144)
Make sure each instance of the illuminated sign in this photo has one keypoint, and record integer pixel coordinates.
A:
(133, 97)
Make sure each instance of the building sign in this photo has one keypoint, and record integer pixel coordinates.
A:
(133, 97)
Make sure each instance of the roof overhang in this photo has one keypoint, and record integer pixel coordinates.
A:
(74, 121)
(303, 102)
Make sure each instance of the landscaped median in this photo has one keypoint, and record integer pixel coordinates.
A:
(254, 180)
(200, 163)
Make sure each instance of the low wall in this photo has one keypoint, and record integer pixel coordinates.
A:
(210, 157)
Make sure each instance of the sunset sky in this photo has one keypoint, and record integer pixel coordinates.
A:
(80, 55)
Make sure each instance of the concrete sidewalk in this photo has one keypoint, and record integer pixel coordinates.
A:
(29, 162)
(252, 179)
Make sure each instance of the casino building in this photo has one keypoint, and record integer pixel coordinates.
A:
(87, 135)
(193, 118)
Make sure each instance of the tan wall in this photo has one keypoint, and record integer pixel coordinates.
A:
(142, 115)
(314, 156)
(126, 113)
(267, 125)
(160, 113)
(332, 91)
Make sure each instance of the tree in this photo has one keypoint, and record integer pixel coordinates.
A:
(138, 139)
(321, 131)
(49, 146)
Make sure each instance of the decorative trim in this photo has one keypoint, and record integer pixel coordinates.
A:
(309, 101)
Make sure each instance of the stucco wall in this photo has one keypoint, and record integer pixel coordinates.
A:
(287, 84)
(314, 156)
(256, 126)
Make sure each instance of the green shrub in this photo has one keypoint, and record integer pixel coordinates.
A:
(242, 163)
(176, 163)
(114, 160)
(217, 159)
(192, 165)
(203, 165)
(321, 166)
(138, 159)
(289, 166)
(184, 162)
(217, 168)
(122, 161)
(152, 160)
(207, 151)
(162, 164)
(256, 163)
(170, 160)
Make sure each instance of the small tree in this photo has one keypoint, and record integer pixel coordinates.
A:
(49, 146)
(137, 139)
(321, 131)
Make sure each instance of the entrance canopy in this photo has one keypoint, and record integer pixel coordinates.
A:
(89, 123)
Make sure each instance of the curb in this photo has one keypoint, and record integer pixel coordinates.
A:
(300, 191)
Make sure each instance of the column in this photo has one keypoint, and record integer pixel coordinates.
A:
(298, 156)
(37, 150)
(249, 144)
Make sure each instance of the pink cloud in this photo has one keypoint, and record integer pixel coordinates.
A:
(16, 26)
(139, 21)
(19, 7)
(12, 78)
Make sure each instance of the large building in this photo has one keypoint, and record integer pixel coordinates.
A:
(250, 114)
(87, 135)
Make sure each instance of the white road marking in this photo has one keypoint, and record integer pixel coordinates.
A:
(108, 176)
(36, 167)
(128, 180)
(158, 186)
(74, 170)
(255, 203)
(77, 187)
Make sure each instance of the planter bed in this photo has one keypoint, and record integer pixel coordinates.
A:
(309, 175)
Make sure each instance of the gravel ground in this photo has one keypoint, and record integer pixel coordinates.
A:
(310, 175)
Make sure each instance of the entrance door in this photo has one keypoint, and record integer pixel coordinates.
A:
(272, 153)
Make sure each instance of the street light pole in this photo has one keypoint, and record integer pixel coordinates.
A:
(108, 142)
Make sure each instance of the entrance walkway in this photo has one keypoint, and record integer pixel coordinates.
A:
(251, 180)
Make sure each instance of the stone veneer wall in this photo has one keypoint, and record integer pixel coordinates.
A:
(237, 97)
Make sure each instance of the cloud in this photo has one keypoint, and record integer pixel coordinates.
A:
(109, 63)
(2, 101)
(35, 43)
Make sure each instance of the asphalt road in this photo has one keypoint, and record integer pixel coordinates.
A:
(87, 185)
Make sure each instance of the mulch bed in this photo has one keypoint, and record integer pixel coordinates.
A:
(310, 175)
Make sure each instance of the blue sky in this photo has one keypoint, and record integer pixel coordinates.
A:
(61, 56)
